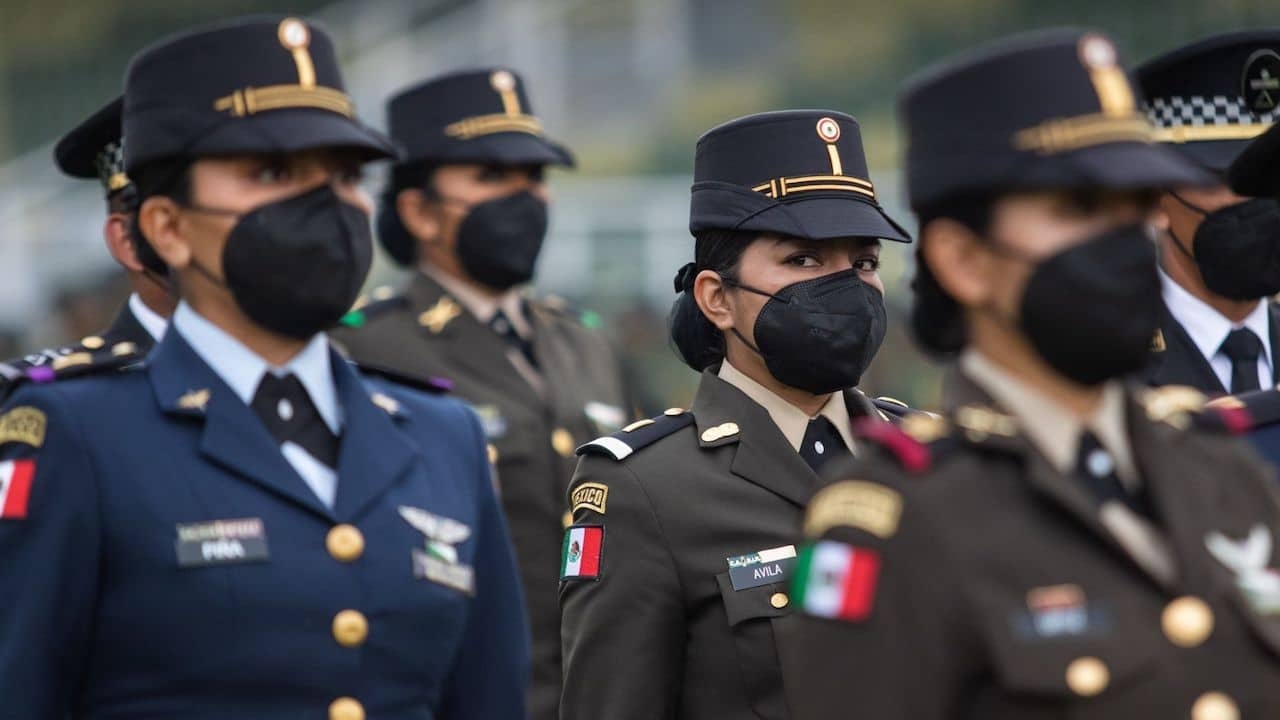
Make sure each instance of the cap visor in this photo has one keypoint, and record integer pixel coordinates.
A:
(827, 218)
(1256, 172)
(1121, 166)
(509, 148)
(293, 131)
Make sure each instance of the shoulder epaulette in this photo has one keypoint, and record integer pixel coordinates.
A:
(911, 453)
(364, 312)
(1175, 405)
(1238, 414)
(82, 363)
(560, 307)
(637, 435)
(434, 385)
(893, 408)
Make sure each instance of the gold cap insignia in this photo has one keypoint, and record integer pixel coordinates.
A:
(502, 81)
(194, 400)
(293, 34)
(1097, 52)
(1261, 81)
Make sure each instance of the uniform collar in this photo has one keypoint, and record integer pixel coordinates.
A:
(242, 369)
(1207, 327)
(1052, 429)
(482, 306)
(791, 420)
(147, 318)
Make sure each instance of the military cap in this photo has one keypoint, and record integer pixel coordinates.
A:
(793, 172)
(1038, 111)
(471, 116)
(1208, 99)
(1256, 171)
(256, 84)
(93, 149)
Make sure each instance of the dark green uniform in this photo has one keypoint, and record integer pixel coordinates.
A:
(426, 333)
(680, 620)
(1000, 593)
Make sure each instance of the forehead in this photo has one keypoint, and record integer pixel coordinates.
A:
(827, 244)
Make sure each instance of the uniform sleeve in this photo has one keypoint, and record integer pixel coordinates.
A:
(49, 558)
(622, 624)
(881, 630)
(491, 674)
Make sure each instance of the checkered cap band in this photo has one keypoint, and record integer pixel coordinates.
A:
(1197, 111)
(110, 163)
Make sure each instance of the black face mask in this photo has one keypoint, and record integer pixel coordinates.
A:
(1237, 248)
(819, 335)
(499, 240)
(295, 266)
(1091, 310)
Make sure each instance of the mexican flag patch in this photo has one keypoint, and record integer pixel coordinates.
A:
(15, 487)
(580, 557)
(834, 580)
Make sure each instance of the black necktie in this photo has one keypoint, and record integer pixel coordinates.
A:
(821, 443)
(1097, 467)
(286, 409)
(1243, 347)
(501, 325)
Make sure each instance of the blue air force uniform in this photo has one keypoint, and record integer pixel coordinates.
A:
(162, 558)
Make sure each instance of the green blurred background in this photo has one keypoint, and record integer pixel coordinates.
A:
(628, 84)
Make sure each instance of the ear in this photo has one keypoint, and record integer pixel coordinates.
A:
(959, 261)
(160, 220)
(418, 216)
(1158, 218)
(709, 291)
(116, 233)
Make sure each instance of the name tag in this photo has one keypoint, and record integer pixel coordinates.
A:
(762, 568)
(440, 571)
(222, 542)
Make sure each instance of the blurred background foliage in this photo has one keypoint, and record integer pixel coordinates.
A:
(629, 84)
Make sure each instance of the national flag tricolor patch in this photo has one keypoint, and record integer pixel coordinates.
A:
(15, 487)
(834, 580)
(583, 549)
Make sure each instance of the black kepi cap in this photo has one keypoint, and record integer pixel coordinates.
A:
(93, 149)
(800, 173)
(1039, 111)
(480, 116)
(256, 85)
(1256, 171)
(1209, 98)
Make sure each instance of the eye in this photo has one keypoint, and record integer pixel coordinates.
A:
(352, 174)
(804, 259)
(867, 264)
(492, 174)
(272, 173)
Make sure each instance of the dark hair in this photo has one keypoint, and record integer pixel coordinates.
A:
(393, 236)
(699, 343)
(936, 320)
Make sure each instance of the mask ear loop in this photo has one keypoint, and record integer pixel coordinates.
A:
(1177, 242)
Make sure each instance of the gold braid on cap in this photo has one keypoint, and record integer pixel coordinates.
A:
(511, 119)
(296, 38)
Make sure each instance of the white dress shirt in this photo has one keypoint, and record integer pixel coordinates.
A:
(1208, 329)
(242, 370)
(150, 321)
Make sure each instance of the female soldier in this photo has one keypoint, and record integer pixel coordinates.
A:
(674, 570)
(1060, 546)
(245, 527)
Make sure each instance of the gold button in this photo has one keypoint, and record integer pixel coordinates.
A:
(493, 453)
(124, 348)
(93, 342)
(779, 600)
(562, 442)
(345, 543)
(673, 411)
(1215, 706)
(1088, 676)
(1187, 621)
(346, 708)
(350, 628)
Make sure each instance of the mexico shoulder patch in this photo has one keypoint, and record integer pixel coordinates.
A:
(15, 487)
(582, 553)
(834, 580)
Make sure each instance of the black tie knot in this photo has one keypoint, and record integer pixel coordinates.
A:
(503, 328)
(286, 409)
(821, 443)
(1097, 467)
(1243, 348)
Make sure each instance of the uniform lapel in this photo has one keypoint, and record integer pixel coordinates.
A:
(233, 436)
(1181, 362)
(1273, 316)
(374, 452)
(763, 455)
(470, 347)
(127, 328)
